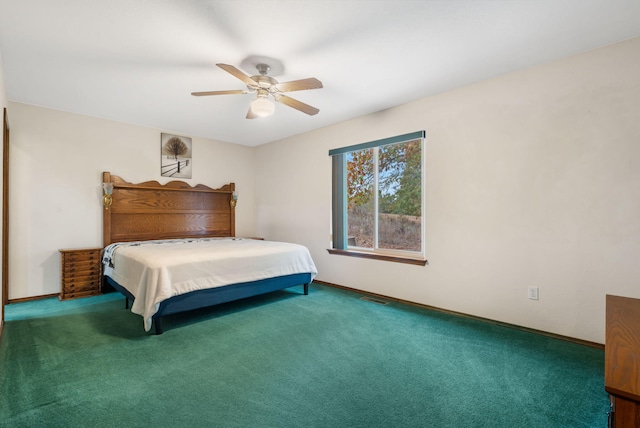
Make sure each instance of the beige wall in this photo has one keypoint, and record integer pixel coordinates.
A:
(532, 179)
(3, 94)
(57, 160)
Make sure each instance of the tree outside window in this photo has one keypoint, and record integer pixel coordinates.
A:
(384, 197)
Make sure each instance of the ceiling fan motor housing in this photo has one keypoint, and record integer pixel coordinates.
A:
(264, 81)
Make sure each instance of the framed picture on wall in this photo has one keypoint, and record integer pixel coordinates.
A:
(175, 156)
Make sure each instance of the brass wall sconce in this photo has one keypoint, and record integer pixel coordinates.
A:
(234, 199)
(108, 190)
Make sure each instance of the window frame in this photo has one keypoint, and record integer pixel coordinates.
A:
(339, 204)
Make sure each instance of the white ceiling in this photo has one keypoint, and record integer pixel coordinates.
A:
(137, 61)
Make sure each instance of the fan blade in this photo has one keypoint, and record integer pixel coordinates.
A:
(231, 92)
(299, 85)
(298, 105)
(238, 73)
(251, 115)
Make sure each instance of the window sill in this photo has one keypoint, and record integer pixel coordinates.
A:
(376, 256)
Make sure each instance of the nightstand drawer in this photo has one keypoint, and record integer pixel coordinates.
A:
(80, 277)
(72, 269)
(83, 254)
(82, 293)
(82, 284)
(83, 260)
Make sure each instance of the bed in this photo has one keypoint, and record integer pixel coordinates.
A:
(172, 248)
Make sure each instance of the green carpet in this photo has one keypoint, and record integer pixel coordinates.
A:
(328, 359)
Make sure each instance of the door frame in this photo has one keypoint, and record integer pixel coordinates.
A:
(5, 211)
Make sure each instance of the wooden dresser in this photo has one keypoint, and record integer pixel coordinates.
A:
(622, 361)
(81, 272)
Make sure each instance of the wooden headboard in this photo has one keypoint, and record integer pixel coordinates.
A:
(150, 210)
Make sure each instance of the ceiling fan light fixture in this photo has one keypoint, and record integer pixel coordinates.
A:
(262, 107)
(269, 90)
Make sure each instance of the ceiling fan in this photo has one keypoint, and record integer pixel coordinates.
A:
(266, 86)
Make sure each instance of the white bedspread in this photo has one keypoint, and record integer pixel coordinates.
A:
(157, 270)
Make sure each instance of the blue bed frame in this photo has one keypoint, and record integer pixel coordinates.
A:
(215, 296)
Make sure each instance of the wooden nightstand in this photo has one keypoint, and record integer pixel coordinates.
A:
(81, 272)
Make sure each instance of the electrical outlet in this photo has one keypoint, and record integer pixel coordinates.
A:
(533, 293)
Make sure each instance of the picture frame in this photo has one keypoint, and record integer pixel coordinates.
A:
(175, 156)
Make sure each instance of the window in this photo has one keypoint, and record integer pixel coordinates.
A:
(377, 199)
